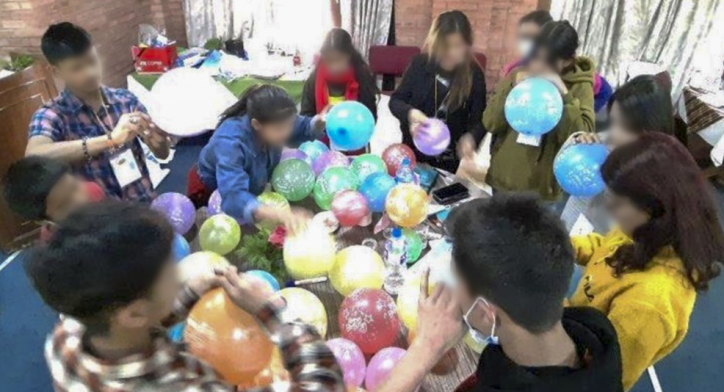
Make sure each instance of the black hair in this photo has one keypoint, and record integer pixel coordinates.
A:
(263, 102)
(514, 252)
(339, 40)
(102, 257)
(646, 105)
(539, 17)
(64, 40)
(28, 183)
(560, 40)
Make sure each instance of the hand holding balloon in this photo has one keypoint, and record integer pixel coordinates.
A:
(439, 319)
(248, 294)
(294, 220)
(415, 118)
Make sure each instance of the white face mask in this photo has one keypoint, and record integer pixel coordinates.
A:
(524, 47)
(480, 337)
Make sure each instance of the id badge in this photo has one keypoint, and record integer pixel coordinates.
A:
(529, 140)
(125, 167)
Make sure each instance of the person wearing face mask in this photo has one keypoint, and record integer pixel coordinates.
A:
(510, 295)
(446, 83)
(529, 26)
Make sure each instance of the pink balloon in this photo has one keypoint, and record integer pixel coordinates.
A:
(349, 207)
(350, 359)
(329, 159)
(381, 366)
(368, 317)
(432, 137)
(393, 156)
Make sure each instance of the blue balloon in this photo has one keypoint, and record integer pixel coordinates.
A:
(578, 169)
(265, 276)
(375, 188)
(176, 333)
(313, 149)
(180, 247)
(350, 126)
(534, 107)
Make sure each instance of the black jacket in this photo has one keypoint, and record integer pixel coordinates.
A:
(417, 91)
(309, 100)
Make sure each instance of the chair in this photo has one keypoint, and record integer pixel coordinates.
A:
(391, 62)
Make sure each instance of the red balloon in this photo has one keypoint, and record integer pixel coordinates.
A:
(393, 156)
(368, 317)
(349, 207)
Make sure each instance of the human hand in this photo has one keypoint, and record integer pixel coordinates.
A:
(415, 118)
(466, 146)
(587, 138)
(202, 283)
(152, 134)
(439, 319)
(128, 127)
(248, 293)
(294, 220)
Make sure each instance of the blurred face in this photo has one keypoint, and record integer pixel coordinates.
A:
(80, 73)
(152, 309)
(275, 134)
(527, 32)
(67, 195)
(625, 213)
(452, 51)
(539, 65)
(619, 134)
(336, 62)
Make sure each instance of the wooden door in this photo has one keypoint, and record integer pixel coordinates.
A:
(21, 95)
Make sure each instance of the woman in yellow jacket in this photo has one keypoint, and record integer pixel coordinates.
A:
(668, 245)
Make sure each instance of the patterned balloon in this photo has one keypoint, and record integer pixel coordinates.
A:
(414, 243)
(293, 179)
(578, 169)
(295, 154)
(329, 159)
(368, 317)
(349, 207)
(313, 149)
(350, 359)
(356, 267)
(178, 209)
(381, 366)
(305, 306)
(304, 261)
(275, 200)
(200, 264)
(432, 137)
(375, 188)
(534, 107)
(407, 205)
(220, 234)
(350, 125)
(393, 156)
(366, 164)
(332, 181)
(214, 205)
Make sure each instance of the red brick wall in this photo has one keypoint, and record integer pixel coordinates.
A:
(113, 24)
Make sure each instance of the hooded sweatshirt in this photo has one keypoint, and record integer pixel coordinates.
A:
(521, 167)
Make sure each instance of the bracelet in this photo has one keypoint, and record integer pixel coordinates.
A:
(88, 158)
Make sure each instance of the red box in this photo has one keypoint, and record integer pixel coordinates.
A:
(154, 60)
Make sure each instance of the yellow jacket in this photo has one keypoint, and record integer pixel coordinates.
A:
(650, 309)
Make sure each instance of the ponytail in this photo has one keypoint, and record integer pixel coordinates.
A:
(263, 102)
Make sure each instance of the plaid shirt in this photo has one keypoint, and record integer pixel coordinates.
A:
(67, 118)
(168, 367)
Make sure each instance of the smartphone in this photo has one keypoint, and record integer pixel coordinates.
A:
(451, 194)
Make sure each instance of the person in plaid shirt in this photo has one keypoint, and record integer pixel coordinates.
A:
(88, 124)
(110, 270)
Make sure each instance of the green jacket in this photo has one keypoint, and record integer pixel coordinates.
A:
(519, 167)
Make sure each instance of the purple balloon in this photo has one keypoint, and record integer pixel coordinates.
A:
(329, 159)
(295, 154)
(350, 359)
(178, 209)
(381, 366)
(432, 137)
(214, 206)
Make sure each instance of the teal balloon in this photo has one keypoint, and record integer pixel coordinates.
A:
(367, 164)
(176, 333)
(180, 247)
(332, 181)
(313, 149)
(266, 277)
(350, 125)
(375, 188)
(293, 179)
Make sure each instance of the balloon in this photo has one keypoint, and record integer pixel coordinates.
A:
(178, 209)
(273, 373)
(407, 205)
(355, 267)
(313, 149)
(349, 207)
(475, 346)
(295, 154)
(176, 333)
(266, 277)
(368, 317)
(366, 164)
(304, 306)
(414, 243)
(180, 247)
(432, 137)
(375, 188)
(407, 300)
(332, 181)
(381, 366)
(534, 107)
(275, 200)
(350, 125)
(214, 204)
(393, 156)
(200, 263)
(293, 179)
(329, 159)
(350, 359)
(309, 254)
(220, 234)
(227, 338)
(578, 169)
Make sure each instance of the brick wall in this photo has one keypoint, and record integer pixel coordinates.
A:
(113, 24)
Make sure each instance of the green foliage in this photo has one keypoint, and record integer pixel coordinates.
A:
(17, 63)
(214, 44)
(259, 254)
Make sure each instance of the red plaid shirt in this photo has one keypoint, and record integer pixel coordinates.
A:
(168, 367)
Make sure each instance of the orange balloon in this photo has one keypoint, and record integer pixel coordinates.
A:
(274, 372)
(407, 205)
(227, 338)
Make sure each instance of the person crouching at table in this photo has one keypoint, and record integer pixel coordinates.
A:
(245, 149)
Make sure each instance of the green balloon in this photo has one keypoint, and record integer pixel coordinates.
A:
(414, 243)
(366, 164)
(220, 234)
(293, 179)
(275, 200)
(332, 181)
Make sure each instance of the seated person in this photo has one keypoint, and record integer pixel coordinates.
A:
(44, 190)
(109, 268)
(645, 274)
(513, 262)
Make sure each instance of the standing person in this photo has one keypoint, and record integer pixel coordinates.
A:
(529, 26)
(91, 126)
(668, 245)
(446, 83)
(527, 165)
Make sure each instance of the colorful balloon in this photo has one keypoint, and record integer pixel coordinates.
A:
(180, 247)
(432, 137)
(393, 156)
(329, 159)
(381, 366)
(309, 254)
(275, 200)
(356, 267)
(266, 277)
(295, 154)
(304, 306)
(350, 359)
(349, 207)
(293, 179)
(375, 188)
(415, 245)
(368, 317)
(178, 209)
(367, 164)
(331, 182)
(200, 263)
(534, 107)
(407, 205)
(214, 205)
(313, 149)
(350, 125)
(227, 338)
(220, 234)
(578, 169)
(176, 333)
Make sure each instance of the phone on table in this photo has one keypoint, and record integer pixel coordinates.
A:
(451, 194)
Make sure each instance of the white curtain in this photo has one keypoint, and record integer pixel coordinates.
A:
(368, 21)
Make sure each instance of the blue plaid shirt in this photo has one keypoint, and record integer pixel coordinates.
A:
(67, 118)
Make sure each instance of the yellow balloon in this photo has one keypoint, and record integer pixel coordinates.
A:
(475, 346)
(309, 254)
(407, 300)
(407, 205)
(357, 267)
(304, 306)
(272, 199)
(200, 264)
